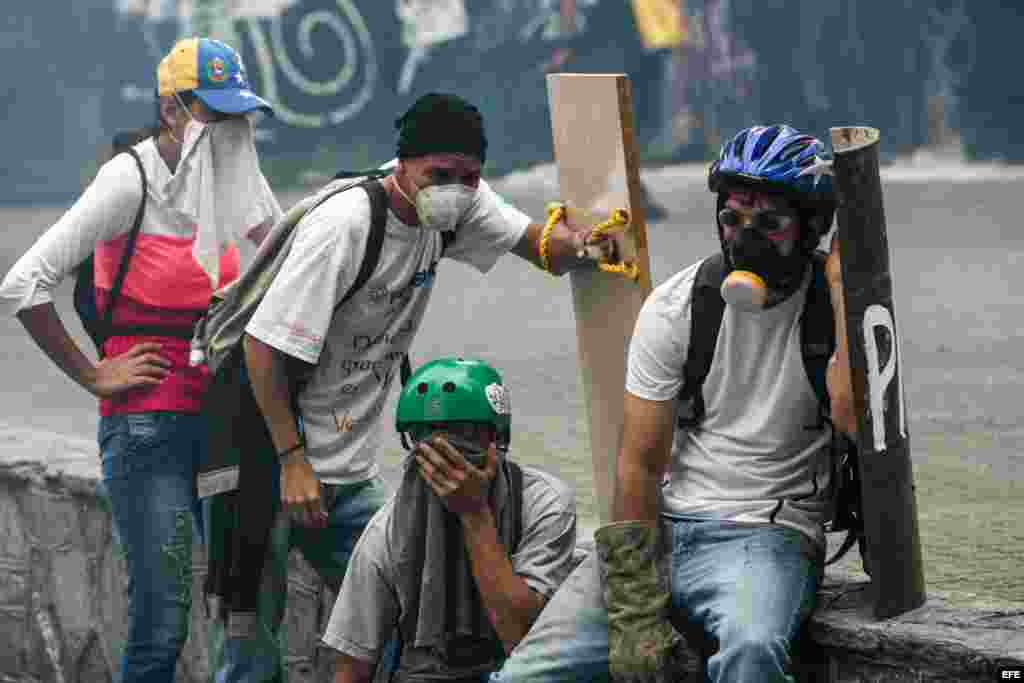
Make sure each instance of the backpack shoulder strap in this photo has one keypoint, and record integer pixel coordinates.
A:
(447, 238)
(706, 310)
(375, 240)
(129, 249)
(515, 482)
(817, 329)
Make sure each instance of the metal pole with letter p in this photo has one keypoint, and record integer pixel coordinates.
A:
(887, 482)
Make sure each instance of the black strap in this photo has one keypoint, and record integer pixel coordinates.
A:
(179, 332)
(706, 310)
(406, 370)
(818, 329)
(515, 482)
(106, 322)
(299, 371)
(447, 238)
(374, 241)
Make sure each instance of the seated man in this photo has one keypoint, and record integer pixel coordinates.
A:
(467, 552)
(725, 393)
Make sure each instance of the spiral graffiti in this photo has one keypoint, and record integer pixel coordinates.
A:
(358, 65)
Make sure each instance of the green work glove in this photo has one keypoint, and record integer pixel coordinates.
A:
(642, 645)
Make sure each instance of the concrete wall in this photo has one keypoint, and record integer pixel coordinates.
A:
(62, 602)
(62, 579)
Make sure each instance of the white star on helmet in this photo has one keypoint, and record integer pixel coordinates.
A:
(819, 168)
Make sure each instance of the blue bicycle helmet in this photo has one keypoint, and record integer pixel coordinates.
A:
(777, 159)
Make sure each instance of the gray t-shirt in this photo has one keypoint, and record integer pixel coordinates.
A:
(356, 350)
(367, 610)
(761, 451)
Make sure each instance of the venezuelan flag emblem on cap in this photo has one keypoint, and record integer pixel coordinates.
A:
(213, 71)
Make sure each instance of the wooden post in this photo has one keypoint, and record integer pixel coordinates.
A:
(598, 171)
(887, 483)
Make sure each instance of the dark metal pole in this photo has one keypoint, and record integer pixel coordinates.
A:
(887, 482)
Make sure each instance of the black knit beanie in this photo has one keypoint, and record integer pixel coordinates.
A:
(441, 124)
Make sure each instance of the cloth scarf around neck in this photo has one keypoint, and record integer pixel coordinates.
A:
(441, 605)
(218, 184)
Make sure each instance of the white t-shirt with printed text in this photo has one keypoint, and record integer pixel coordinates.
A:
(357, 351)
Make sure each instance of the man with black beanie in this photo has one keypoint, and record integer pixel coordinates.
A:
(437, 205)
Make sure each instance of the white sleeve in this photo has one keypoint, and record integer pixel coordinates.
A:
(491, 228)
(367, 610)
(328, 248)
(657, 351)
(105, 210)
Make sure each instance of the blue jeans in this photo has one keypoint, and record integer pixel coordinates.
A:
(746, 588)
(260, 659)
(149, 465)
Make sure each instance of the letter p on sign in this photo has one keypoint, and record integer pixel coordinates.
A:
(881, 373)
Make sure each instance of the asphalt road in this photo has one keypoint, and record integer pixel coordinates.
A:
(957, 249)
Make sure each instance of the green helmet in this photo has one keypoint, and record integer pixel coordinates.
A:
(455, 390)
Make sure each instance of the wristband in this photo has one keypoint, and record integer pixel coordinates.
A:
(285, 453)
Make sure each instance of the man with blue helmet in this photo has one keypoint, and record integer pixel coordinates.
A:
(724, 468)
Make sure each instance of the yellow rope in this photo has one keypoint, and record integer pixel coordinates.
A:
(618, 221)
(630, 270)
(556, 212)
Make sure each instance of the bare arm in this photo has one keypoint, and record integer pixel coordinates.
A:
(351, 670)
(463, 488)
(643, 456)
(510, 603)
(563, 247)
(837, 376)
(47, 330)
(140, 367)
(300, 490)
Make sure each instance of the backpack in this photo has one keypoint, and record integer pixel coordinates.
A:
(99, 325)
(817, 343)
(220, 331)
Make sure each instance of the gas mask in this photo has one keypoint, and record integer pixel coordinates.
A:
(761, 275)
(441, 207)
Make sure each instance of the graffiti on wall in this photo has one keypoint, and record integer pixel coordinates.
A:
(280, 64)
(288, 41)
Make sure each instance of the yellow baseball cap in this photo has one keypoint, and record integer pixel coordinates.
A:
(213, 70)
